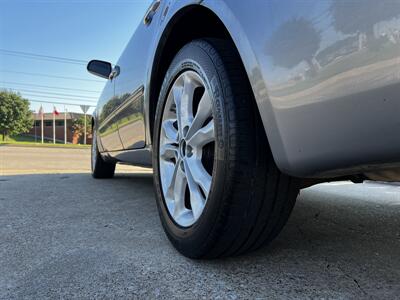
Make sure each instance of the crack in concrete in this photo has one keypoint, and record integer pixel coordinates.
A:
(353, 279)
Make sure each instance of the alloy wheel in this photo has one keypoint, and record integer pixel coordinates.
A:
(186, 151)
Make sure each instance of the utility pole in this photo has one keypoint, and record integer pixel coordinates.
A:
(65, 125)
(41, 117)
(35, 131)
(54, 126)
(84, 136)
(84, 108)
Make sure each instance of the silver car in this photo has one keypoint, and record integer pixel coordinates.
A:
(237, 105)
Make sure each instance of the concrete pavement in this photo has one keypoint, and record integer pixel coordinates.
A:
(49, 160)
(67, 235)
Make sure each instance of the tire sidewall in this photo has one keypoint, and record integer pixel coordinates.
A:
(194, 239)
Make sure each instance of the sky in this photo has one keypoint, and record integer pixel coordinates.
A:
(76, 30)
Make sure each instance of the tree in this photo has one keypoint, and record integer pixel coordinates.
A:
(15, 116)
(294, 41)
(354, 17)
(78, 125)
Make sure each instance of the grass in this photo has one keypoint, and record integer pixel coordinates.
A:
(28, 141)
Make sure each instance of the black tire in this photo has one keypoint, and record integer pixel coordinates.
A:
(100, 167)
(250, 199)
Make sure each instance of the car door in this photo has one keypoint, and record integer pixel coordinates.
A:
(106, 119)
(130, 83)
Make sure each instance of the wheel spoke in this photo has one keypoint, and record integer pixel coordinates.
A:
(169, 179)
(179, 192)
(197, 200)
(169, 131)
(168, 151)
(189, 85)
(177, 94)
(199, 174)
(204, 111)
(203, 136)
(187, 98)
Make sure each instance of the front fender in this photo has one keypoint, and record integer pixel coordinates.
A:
(238, 21)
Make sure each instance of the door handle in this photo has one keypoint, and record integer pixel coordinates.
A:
(148, 17)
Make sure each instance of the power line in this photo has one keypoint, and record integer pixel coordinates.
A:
(64, 103)
(43, 57)
(58, 101)
(48, 87)
(52, 97)
(50, 93)
(64, 98)
(28, 95)
(51, 76)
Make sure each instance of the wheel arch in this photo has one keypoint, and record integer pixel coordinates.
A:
(174, 36)
(221, 23)
(94, 124)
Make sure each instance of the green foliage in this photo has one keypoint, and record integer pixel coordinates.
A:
(112, 105)
(294, 41)
(15, 116)
(79, 125)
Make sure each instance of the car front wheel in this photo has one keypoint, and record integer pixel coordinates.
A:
(218, 190)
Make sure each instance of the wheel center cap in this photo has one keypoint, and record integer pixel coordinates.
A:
(182, 148)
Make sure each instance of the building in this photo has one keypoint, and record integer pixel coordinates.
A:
(72, 137)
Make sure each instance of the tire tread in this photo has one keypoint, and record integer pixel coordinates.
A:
(103, 169)
(253, 219)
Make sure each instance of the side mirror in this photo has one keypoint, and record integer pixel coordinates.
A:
(100, 68)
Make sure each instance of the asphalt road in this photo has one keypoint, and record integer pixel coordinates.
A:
(66, 235)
